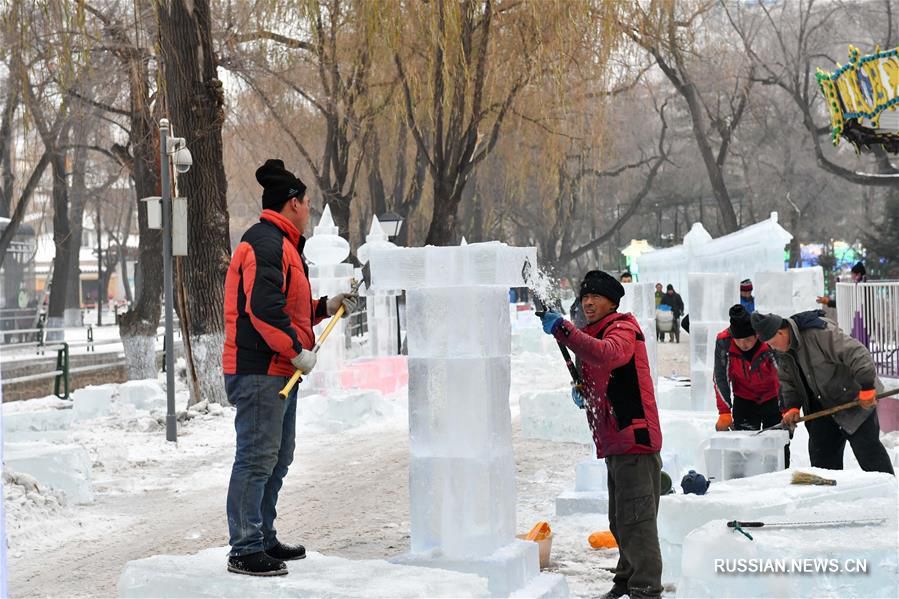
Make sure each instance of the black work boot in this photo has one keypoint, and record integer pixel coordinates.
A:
(286, 552)
(256, 564)
(614, 593)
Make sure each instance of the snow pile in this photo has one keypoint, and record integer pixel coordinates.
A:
(204, 574)
(65, 468)
(339, 411)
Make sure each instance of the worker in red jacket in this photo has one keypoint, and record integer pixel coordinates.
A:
(746, 385)
(618, 395)
(269, 315)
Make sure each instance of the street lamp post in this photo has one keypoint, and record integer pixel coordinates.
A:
(171, 424)
(392, 223)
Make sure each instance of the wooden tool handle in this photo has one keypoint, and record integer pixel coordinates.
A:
(297, 375)
(844, 406)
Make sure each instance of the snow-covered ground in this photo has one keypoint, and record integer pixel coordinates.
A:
(346, 494)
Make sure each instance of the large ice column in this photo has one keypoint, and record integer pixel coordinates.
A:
(786, 293)
(711, 296)
(380, 305)
(328, 275)
(462, 469)
(640, 300)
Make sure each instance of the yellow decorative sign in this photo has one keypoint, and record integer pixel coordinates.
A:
(858, 93)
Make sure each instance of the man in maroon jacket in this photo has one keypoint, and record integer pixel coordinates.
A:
(618, 394)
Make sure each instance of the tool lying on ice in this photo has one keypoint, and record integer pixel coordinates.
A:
(806, 478)
(354, 288)
(566, 355)
(828, 411)
(739, 525)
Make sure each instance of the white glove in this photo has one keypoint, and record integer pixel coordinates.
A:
(304, 361)
(349, 301)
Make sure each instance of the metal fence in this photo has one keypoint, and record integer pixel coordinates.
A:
(869, 312)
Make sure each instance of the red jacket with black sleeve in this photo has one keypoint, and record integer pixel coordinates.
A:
(617, 385)
(754, 379)
(269, 310)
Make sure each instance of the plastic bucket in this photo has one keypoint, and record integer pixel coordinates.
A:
(544, 547)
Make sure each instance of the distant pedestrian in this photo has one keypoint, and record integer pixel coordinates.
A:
(673, 300)
(858, 274)
(746, 298)
(659, 294)
(626, 277)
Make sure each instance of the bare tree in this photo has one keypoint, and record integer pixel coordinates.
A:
(195, 101)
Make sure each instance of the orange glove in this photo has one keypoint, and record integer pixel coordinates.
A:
(867, 398)
(790, 417)
(823, 300)
(725, 422)
(602, 540)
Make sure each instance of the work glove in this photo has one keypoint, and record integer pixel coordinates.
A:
(349, 301)
(551, 322)
(867, 398)
(790, 418)
(823, 300)
(578, 398)
(725, 422)
(304, 361)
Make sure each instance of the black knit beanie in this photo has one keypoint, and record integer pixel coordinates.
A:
(602, 283)
(278, 184)
(740, 323)
(766, 325)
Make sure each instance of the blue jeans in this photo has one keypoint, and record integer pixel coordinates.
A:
(266, 437)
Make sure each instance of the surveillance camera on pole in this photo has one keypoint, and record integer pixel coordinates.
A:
(183, 160)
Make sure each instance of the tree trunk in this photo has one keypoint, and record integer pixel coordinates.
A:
(61, 239)
(444, 214)
(77, 194)
(195, 102)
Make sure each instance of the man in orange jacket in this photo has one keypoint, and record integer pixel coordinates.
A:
(269, 315)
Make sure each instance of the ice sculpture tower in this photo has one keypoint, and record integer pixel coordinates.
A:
(329, 275)
(380, 304)
(462, 469)
(711, 296)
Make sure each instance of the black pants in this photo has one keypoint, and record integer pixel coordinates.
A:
(634, 488)
(751, 416)
(827, 441)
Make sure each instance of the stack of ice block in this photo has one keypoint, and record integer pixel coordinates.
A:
(830, 560)
(786, 293)
(591, 489)
(738, 454)
(711, 296)
(640, 300)
(328, 276)
(462, 469)
(762, 497)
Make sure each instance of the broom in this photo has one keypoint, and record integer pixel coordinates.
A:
(807, 478)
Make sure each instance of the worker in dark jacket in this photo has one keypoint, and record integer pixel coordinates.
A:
(821, 367)
(621, 408)
(269, 315)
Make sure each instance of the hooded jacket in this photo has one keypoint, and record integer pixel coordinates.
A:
(269, 310)
(826, 364)
(621, 405)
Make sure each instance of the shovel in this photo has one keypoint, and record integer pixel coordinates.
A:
(354, 288)
(828, 411)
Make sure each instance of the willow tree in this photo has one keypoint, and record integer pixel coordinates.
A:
(463, 69)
